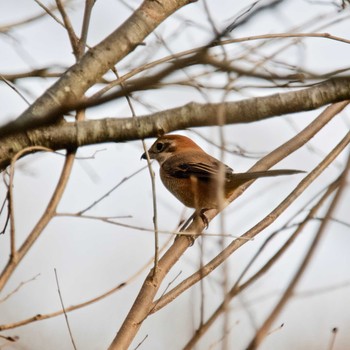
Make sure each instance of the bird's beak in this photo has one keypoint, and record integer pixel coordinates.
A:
(150, 153)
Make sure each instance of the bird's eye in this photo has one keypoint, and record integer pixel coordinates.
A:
(159, 146)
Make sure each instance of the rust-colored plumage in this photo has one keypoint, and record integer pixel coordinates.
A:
(196, 178)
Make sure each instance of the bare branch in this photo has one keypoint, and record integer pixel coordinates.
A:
(41, 224)
(64, 311)
(74, 40)
(72, 135)
(96, 62)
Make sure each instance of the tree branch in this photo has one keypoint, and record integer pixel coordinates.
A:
(66, 135)
(95, 63)
(262, 331)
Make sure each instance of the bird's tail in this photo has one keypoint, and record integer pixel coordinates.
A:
(250, 175)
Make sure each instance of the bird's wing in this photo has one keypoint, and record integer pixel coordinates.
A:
(194, 165)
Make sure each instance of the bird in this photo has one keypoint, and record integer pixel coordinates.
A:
(196, 178)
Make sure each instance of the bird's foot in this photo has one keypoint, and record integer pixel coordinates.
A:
(204, 217)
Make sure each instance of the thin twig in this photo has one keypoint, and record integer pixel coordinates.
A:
(110, 220)
(153, 183)
(13, 253)
(14, 88)
(74, 40)
(49, 10)
(64, 311)
(9, 295)
(89, 4)
(9, 338)
(40, 72)
(121, 285)
(141, 342)
(333, 337)
(126, 178)
(170, 283)
(176, 56)
(154, 203)
(41, 224)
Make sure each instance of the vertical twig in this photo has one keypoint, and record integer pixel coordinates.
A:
(64, 311)
(89, 4)
(13, 252)
(74, 40)
(334, 335)
(201, 284)
(221, 199)
(42, 222)
(153, 184)
(6, 200)
(12, 216)
(155, 211)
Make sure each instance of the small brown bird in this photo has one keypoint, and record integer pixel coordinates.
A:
(195, 177)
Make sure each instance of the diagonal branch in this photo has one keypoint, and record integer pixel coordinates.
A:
(263, 330)
(95, 63)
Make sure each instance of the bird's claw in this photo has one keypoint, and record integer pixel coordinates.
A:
(191, 238)
(204, 217)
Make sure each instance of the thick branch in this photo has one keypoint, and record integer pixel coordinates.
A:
(71, 135)
(95, 63)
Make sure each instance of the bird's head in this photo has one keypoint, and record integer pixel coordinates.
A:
(169, 145)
